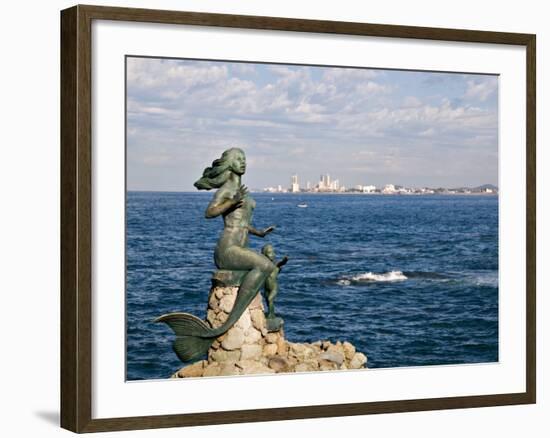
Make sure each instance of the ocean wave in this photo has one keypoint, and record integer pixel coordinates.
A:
(430, 276)
(485, 279)
(371, 277)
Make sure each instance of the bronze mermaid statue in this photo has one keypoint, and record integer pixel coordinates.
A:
(233, 202)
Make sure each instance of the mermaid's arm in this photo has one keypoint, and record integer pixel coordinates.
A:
(215, 208)
(260, 233)
(224, 201)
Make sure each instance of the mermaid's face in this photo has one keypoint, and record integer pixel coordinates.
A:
(238, 163)
(269, 252)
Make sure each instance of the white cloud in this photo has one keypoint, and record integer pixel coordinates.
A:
(411, 102)
(193, 109)
(430, 132)
(145, 73)
(196, 88)
(349, 74)
(253, 123)
(481, 89)
(243, 68)
(371, 87)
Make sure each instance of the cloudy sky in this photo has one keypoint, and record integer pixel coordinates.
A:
(361, 126)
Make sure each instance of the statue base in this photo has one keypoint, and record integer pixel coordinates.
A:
(256, 345)
(274, 323)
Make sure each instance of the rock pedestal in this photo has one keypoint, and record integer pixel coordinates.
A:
(248, 348)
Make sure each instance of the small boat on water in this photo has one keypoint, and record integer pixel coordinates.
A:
(302, 205)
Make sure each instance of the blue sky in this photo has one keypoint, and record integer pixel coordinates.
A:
(362, 126)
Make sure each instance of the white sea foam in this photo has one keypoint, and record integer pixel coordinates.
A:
(387, 276)
(372, 277)
(344, 282)
(485, 279)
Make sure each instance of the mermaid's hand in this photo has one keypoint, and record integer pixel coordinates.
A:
(268, 230)
(238, 199)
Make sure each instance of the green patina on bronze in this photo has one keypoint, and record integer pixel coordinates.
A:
(271, 287)
(249, 269)
(226, 278)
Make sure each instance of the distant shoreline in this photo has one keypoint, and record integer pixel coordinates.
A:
(377, 194)
(261, 192)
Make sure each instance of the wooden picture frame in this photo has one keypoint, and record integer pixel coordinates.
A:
(76, 217)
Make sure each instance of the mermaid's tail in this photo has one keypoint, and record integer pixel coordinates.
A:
(194, 337)
(185, 324)
(189, 348)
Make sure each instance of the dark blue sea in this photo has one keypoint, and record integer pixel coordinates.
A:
(409, 280)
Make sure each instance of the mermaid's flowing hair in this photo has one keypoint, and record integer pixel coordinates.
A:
(215, 176)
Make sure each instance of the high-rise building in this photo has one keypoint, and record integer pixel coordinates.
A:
(324, 183)
(295, 187)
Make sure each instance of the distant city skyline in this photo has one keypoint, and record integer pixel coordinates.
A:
(326, 184)
(418, 129)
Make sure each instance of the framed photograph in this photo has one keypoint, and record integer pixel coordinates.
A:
(270, 218)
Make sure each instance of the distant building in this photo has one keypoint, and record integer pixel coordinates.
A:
(324, 183)
(328, 185)
(294, 187)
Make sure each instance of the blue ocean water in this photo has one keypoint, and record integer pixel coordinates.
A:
(409, 280)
